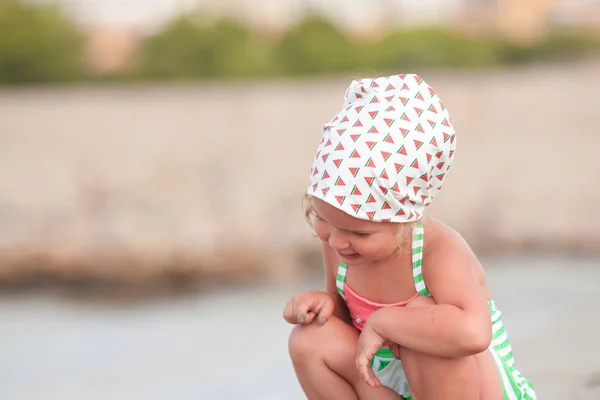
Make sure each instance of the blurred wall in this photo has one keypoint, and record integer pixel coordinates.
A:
(125, 181)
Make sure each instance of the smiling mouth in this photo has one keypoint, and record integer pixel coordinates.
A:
(353, 255)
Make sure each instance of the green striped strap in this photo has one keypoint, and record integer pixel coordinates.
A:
(341, 278)
(417, 259)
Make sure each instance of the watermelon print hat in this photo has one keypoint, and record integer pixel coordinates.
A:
(385, 155)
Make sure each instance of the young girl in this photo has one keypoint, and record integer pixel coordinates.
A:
(407, 312)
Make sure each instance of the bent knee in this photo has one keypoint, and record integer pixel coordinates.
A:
(301, 341)
(314, 339)
(420, 301)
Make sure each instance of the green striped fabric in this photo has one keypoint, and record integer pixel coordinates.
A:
(417, 259)
(341, 278)
(382, 359)
(514, 385)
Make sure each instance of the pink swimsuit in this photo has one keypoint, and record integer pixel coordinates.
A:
(361, 308)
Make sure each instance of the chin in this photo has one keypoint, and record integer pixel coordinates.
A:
(357, 262)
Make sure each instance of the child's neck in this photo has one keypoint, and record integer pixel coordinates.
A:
(398, 257)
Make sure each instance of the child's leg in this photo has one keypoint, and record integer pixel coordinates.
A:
(465, 378)
(324, 359)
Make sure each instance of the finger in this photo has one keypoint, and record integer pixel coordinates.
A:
(301, 310)
(305, 310)
(366, 372)
(325, 311)
(374, 380)
(368, 376)
(309, 318)
(288, 312)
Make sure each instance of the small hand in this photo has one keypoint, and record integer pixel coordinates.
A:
(305, 307)
(368, 344)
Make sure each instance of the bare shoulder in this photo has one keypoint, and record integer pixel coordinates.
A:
(446, 253)
(440, 238)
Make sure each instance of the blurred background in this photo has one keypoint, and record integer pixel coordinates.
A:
(153, 156)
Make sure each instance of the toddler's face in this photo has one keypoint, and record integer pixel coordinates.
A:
(356, 241)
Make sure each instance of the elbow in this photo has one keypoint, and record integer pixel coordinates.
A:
(478, 337)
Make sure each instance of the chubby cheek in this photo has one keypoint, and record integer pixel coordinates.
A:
(376, 250)
(365, 248)
(321, 230)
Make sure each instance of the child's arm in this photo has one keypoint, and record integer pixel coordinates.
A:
(459, 325)
(332, 261)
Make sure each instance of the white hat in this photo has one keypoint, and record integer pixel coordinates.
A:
(385, 155)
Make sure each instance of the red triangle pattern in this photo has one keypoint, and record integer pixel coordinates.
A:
(395, 140)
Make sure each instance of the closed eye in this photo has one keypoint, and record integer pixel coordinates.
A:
(360, 234)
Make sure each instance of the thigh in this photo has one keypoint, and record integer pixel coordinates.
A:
(489, 377)
(471, 377)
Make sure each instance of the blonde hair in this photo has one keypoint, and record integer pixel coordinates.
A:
(309, 216)
(309, 211)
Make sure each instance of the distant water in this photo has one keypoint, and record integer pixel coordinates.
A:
(231, 344)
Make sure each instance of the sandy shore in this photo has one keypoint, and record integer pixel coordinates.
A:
(231, 343)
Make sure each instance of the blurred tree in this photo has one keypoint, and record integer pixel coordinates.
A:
(187, 49)
(315, 46)
(37, 45)
(238, 51)
(557, 45)
(181, 50)
(432, 47)
(40, 45)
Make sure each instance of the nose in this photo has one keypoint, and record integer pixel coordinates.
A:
(338, 242)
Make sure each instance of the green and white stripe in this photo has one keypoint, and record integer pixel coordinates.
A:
(417, 259)
(341, 278)
(514, 385)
